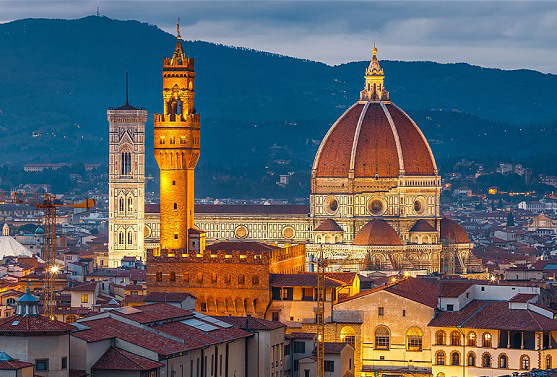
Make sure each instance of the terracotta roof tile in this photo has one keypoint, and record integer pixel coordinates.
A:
(454, 288)
(36, 324)
(110, 328)
(242, 246)
(523, 297)
(14, 365)
(494, 315)
(328, 225)
(377, 233)
(117, 359)
(155, 312)
(166, 297)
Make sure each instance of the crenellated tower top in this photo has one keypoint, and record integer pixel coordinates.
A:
(374, 89)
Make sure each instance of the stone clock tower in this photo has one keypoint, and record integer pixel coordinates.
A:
(177, 151)
(126, 183)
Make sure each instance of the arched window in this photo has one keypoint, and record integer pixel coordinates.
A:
(159, 276)
(348, 335)
(486, 360)
(71, 318)
(471, 359)
(130, 204)
(524, 362)
(130, 238)
(503, 361)
(175, 205)
(455, 358)
(121, 238)
(382, 338)
(126, 163)
(548, 362)
(255, 280)
(414, 339)
(241, 279)
(227, 278)
(440, 358)
(455, 338)
(200, 277)
(486, 339)
(440, 337)
(471, 339)
(121, 206)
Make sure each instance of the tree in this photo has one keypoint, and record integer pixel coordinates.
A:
(510, 219)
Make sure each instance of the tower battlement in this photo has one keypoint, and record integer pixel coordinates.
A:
(179, 120)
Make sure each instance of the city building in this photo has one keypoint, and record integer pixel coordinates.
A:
(126, 184)
(487, 330)
(375, 189)
(227, 278)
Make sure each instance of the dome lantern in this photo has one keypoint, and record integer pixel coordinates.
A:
(374, 89)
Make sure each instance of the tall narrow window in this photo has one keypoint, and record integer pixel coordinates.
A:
(121, 238)
(126, 163)
(130, 238)
(121, 204)
(130, 204)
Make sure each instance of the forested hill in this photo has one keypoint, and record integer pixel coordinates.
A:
(58, 77)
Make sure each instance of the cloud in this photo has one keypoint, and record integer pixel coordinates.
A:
(494, 34)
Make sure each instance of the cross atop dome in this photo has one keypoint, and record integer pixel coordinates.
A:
(374, 90)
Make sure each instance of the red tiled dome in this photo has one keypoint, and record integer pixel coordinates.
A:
(452, 232)
(375, 139)
(377, 233)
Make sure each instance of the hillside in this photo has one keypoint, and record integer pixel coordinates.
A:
(59, 77)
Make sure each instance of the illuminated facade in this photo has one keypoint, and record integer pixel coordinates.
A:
(177, 151)
(126, 183)
(374, 203)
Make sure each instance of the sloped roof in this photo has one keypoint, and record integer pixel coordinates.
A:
(422, 226)
(494, 315)
(9, 247)
(328, 225)
(300, 280)
(118, 359)
(414, 289)
(34, 324)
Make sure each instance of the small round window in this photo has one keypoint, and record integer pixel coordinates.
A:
(288, 232)
(331, 206)
(376, 207)
(419, 206)
(241, 232)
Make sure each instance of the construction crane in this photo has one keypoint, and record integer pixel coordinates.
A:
(49, 205)
(320, 312)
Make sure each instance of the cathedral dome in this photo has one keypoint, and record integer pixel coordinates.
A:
(377, 233)
(452, 232)
(374, 138)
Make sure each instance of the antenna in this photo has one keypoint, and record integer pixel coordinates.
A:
(127, 88)
(178, 29)
(98, 13)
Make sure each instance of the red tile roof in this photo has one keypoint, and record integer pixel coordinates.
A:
(328, 225)
(154, 313)
(334, 347)
(251, 323)
(110, 328)
(494, 315)
(454, 288)
(346, 277)
(35, 324)
(523, 297)
(117, 359)
(195, 338)
(300, 335)
(89, 286)
(300, 280)
(14, 365)
(418, 290)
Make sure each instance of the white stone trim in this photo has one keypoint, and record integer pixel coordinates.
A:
(357, 137)
(318, 154)
(397, 139)
(423, 138)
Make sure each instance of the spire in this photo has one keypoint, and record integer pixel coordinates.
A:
(374, 89)
(178, 57)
